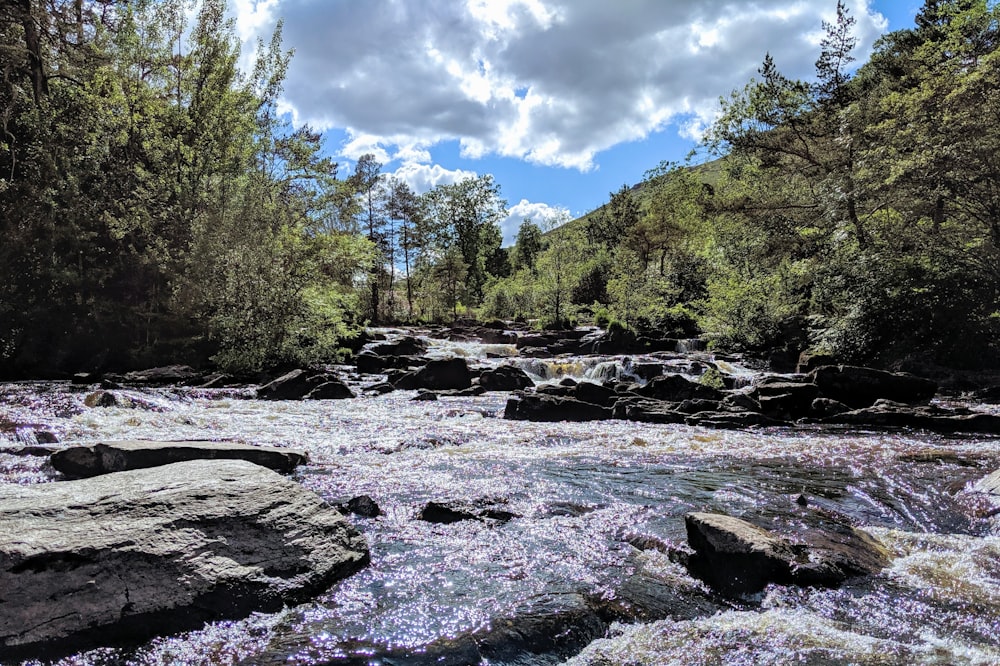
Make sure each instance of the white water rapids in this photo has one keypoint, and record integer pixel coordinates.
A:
(583, 494)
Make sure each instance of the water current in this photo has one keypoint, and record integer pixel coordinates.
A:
(598, 507)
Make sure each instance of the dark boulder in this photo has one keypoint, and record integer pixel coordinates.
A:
(454, 512)
(886, 414)
(170, 374)
(438, 375)
(809, 361)
(505, 378)
(294, 385)
(125, 556)
(368, 363)
(332, 389)
(362, 505)
(595, 394)
(676, 388)
(733, 420)
(646, 410)
(860, 387)
(538, 407)
(407, 346)
(786, 400)
(107, 457)
(736, 557)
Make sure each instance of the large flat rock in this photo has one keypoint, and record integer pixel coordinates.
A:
(123, 556)
(105, 457)
(736, 557)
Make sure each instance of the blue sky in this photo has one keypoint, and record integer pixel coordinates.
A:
(563, 101)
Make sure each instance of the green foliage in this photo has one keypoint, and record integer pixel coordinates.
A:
(712, 378)
(151, 196)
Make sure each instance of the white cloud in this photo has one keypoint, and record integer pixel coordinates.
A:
(424, 177)
(552, 82)
(539, 213)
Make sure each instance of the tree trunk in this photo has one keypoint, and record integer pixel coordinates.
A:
(33, 44)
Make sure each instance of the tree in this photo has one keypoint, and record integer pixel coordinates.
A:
(404, 207)
(369, 182)
(610, 223)
(527, 246)
(466, 215)
(559, 267)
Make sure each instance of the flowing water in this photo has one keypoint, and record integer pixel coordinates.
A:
(598, 508)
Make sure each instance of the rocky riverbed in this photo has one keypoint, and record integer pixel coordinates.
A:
(536, 542)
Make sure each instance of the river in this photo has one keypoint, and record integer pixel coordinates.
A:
(598, 507)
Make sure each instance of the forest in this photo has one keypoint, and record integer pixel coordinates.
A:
(155, 207)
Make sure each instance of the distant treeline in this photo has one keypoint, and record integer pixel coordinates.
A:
(156, 207)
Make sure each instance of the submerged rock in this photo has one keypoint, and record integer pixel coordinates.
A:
(454, 512)
(736, 557)
(125, 556)
(106, 457)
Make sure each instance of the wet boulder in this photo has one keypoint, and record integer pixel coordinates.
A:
(369, 363)
(540, 407)
(736, 557)
(299, 384)
(676, 388)
(332, 389)
(505, 378)
(644, 410)
(888, 414)
(860, 387)
(438, 375)
(407, 346)
(162, 376)
(125, 556)
(786, 400)
(362, 505)
(595, 394)
(726, 420)
(454, 512)
(107, 457)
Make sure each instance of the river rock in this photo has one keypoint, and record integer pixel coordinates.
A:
(124, 556)
(676, 388)
(886, 414)
(107, 457)
(736, 557)
(162, 376)
(300, 383)
(362, 505)
(596, 394)
(505, 378)
(407, 346)
(989, 484)
(539, 407)
(453, 512)
(860, 387)
(645, 410)
(369, 363)
(438, 375)
(786, 400)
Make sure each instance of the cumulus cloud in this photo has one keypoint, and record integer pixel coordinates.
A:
(424, 177)
(541, 214)
(552, 82)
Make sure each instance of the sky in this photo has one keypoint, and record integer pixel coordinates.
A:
(563, 101)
